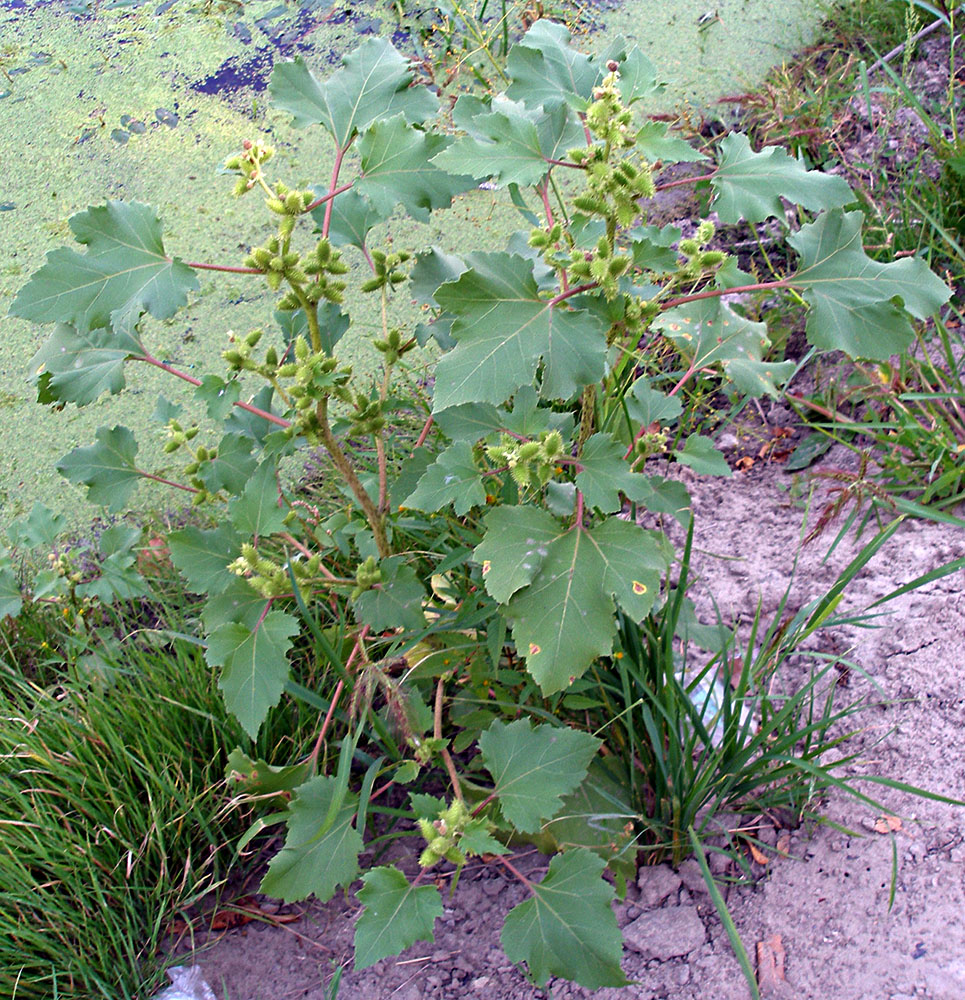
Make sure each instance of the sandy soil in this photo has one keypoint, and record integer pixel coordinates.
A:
(827, 904)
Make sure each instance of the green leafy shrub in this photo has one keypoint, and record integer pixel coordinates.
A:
(479, 552)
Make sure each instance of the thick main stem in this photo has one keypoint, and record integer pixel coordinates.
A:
(341, 462)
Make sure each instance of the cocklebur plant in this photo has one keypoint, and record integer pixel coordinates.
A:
(480, 542)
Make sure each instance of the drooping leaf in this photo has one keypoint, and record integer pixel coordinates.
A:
(396, 602)
(84, 364)
(750, 185)
(700, 454)
(452, 478)
(123, 274)
(40, 527)
(314, 862)
(106, 468)
(533, 768)
(563, 620)
(396, 914)
(512, 144)
(257, 511)
(708, 332)
(504, 329)
(850, 294)
(396, 169)
(258, 777)
(568, 929)
(254, 665)
(517, 541)
(203, 556)
(598, 815)
(374, 82)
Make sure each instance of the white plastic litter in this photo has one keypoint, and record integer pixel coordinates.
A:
(186, 984)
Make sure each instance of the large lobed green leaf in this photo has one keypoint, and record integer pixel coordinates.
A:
(851, 295)
(558, 586)
(123, 274)
(534, 768)
(254, 664)
(505, 332)
(374, 82)
(750, 185)
(396, 170)
(321, 851)
(396, 914)
(106, 468)
(568, 929)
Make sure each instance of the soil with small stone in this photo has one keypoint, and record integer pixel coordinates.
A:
(819, 921)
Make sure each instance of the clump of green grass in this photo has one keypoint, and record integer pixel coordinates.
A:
(111, 819)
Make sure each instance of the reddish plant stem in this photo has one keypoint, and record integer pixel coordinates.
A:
(167, 482)
(556, 300)
(564, 163)
(264, 414)
(437, 733)
(332, 190)
(426, 427)
(485, 802)
(225, 268)
(328, 197)
(316, 750)
(685, 180)
(716, 293)
(673, 392)
(515, 871)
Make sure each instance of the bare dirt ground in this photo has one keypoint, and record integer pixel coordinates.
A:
(821, 913)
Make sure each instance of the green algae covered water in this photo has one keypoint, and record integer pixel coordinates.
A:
(143, 101)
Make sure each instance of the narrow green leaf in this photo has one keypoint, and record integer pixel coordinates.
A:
(106, 468)
(452, 479)
(311, 863)
(374, 82)
(123, 274)
(396, 914)
(534, 768)
(254, 665)
(851, 295)
(568, 928)
(750, 185)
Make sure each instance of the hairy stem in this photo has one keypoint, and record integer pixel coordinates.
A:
(437, 733)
